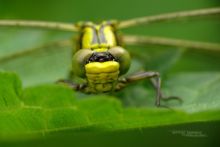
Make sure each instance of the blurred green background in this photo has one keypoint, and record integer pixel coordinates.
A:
(49, 65)
(52, 64)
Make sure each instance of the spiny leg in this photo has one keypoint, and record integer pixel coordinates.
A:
(40, 24)
(123, 24)
(166, 17)
(155, 85)
(144, 40)
(145, 75)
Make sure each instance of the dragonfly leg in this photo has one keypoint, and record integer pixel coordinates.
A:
(72, 85)
(163, 41)
(154, 83)
(155, 79)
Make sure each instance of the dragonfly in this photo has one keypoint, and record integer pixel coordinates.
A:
(100, 58)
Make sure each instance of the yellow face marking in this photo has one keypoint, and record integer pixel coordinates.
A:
(110, 36)
(100, 50)
(87, 37)
(102, 76)
(97, 27)
(102, 67)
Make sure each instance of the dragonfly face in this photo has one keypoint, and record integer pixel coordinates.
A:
(99, 58)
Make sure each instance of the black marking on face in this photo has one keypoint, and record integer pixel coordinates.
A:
(95, 39)
(101, 57)
(102, 38)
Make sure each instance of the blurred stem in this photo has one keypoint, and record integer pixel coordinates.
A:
(138, 40)
(166, 17)
(55, 44)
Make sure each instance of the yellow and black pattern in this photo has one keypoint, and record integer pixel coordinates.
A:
(95, 36)
(101, 76)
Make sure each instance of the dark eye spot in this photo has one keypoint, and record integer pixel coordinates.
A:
(101, 57)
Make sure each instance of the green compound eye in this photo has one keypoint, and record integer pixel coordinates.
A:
(123, 58)
(79, 61)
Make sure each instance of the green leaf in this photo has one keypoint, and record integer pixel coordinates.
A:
(47, 109)
(10, 91)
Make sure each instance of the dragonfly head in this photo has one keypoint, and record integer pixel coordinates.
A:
(115, 59)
